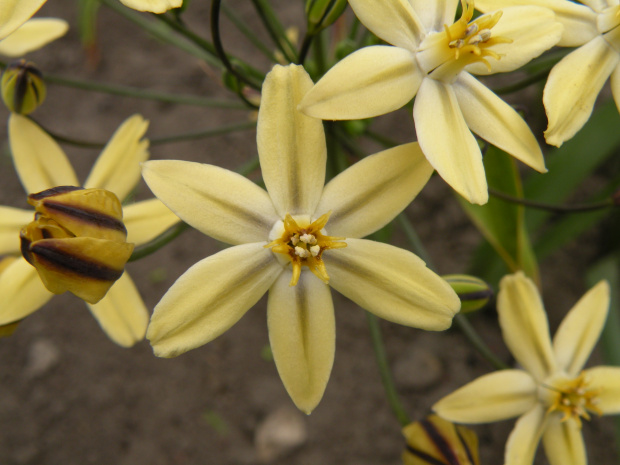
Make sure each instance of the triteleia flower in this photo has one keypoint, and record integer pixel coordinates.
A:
(575, 82)
(41, 164)
(153, 6)
(435, 441)
(292, 240)
(19, 36)
(433, 59)
(552, 393)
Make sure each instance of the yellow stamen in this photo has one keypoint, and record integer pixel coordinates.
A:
(304, 246)
(574, 399)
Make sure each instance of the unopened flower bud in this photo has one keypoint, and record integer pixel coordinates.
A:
(323, 13)
(434, 441)
(473, 292)
(77, 241)
(23, 88)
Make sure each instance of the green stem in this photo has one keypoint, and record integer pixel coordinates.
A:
(531, 79)
(160, 241)
(275, 29)
(219, 47)
(305, 48)
(188, 34)
(414, 239)
(134, 92)
(384, 370)
(162, 33)
(248, 33)
(577, 208)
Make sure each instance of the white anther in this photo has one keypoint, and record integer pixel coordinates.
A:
(301, 252)
(308, 239)
(314, 250)
(485, 35)
(295, 239)
(471, 29)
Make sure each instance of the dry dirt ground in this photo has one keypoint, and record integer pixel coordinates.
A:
(69, 396)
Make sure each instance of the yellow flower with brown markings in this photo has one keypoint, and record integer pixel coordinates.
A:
(77, 241)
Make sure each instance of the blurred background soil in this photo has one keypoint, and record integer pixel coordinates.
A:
(70, 396)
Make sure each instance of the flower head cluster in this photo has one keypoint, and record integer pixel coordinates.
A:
(293, 239)
(552, 393)
(433, 58)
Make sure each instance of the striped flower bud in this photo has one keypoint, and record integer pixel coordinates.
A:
(323, 13)
(435, 441)
(23, 88)
(77, 241)
(473, 292)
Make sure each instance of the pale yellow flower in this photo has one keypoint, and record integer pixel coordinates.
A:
(41, 164)
(433, 59)
(292, 240)
(19, 36)
(552, 393)
(575, 82)
(153, 6)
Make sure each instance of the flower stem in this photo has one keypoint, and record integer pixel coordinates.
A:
(248, 33)
(275, 29)
(577, 208)
(160, 241)
(384, 370)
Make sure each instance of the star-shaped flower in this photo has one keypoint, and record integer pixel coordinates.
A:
(41, 164)
(19, 36)
(292, 240)
(575, 82)
(433, 59)
(552, 393)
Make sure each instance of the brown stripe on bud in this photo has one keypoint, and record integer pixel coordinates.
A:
(53, 191)
(99, 219)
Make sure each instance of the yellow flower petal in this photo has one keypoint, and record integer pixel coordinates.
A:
(370, 82)
(572, 88)
(581, 328)
(12, 220)
(392, 283)
(40, 162)
(497, 122)
(154, 6)
(291, 145)
(598, 5)
(579, 21)
(118, 167)
(493, 397)
(22, 292)
(218, 202)
(369, 194)
(563, 442)
(302, 334)
(433, 15)
(146, 220)
(33, 35)
(14, 13)
(523, 441)
(447, 142)
(532, 30)
(211, 297)
(615, 85)
(524, 325)
(606, 380)
(394, 21)
(121, 313)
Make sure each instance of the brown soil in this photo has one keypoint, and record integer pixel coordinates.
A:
(69, 396)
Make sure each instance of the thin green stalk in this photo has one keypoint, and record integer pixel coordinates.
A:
(219, 47)
(187, 33)
(275, 29)
(320, 53)
(144, 94)
(248, 33)
(522, 84)
(160, 241)
(461, 320)
(162, 33)
(577, 208)
(384, 370)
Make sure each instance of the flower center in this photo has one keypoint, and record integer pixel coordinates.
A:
(304, 244)
(444, 54)
(573, 398)
(607, 23)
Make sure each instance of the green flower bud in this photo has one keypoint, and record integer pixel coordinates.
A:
(473, 292)
(23, 88)
(323, 13)
(77, 241)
